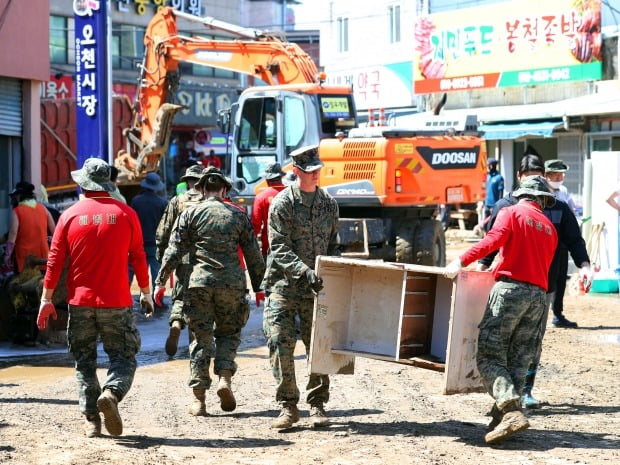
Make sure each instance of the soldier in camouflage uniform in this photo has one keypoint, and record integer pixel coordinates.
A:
(216, 301)
(175, 207)
(303, 223)
(511, 328)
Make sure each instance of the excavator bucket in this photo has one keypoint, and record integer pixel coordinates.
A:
(150, 154)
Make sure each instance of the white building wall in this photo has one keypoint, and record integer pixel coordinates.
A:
(370, 64)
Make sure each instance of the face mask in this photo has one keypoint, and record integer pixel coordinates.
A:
(555, 184)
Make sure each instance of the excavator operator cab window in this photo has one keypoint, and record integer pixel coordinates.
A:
(257, 137)
(258, 126)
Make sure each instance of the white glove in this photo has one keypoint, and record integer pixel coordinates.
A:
(146, 302)
(585, 278)
(453, 268)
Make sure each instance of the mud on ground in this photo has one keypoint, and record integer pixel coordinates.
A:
(383, 414)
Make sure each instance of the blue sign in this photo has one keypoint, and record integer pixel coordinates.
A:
(91, 79)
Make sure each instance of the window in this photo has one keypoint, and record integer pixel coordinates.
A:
(58, 39)
(343, 34)
(294, 123)
(394, 25)
(258, 129)
(127, 46)
(257, 137)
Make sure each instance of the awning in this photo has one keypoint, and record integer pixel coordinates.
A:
(514, 131)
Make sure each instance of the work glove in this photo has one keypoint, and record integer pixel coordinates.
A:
(159, 295)
(146, 303)
(46, 309)
(315, 282)
(585, 278)
(453, 268)
(260, 297)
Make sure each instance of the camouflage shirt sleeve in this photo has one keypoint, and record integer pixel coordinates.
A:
(252, 253)
(178, 245)
(281, 226)
(164, 229)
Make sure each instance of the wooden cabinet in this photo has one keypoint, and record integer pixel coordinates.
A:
(409, 314)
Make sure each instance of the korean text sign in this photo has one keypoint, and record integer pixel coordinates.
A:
(522, 42)
(91, 86)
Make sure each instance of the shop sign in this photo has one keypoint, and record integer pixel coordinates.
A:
(517, 43)
(202, 105)
(56, 88)
(91, 86)
(377, 86)
(142, 7)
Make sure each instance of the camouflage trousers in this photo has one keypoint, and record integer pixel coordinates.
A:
(214, 316)
(510, 334)
(177, 313)
(280, 327)
(121, 341)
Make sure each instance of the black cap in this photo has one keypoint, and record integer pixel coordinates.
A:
(23, 187)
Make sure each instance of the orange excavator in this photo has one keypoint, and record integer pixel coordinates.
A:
(387, 181)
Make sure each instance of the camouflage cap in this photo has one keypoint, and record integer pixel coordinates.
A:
(273, 171)
(193, 171)
(94, 176)
(307, 158)
(534, 185)
(210, 174)
(555, 166)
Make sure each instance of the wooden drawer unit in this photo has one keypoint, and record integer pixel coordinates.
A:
(409, 314)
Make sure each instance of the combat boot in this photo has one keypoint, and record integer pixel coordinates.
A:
(496, 418)
(92, 425)
(288, 416)
(198, 407)
(108, 405)
(512, 422)
(224, 391)
(172, 342)
(318, 417)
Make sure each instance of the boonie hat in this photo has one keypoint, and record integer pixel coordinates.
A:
(153, 182)
(534, 185)
(555, 166)
(22, 187)
(213, 172)
(193, 171)
(307, 158)
(273, 171)
(94, 176)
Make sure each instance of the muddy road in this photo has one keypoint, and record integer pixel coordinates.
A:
(383, 414)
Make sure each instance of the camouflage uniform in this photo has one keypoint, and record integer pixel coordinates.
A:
(301, 226)
(510, 332)
(175, 207)
(210, 233)
(121, 341)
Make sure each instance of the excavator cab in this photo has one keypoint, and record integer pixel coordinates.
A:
(270, 123)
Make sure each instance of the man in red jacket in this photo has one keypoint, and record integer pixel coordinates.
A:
(260, 211)
(510, 330)
(98, 236)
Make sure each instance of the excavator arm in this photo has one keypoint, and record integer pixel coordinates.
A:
(252, 53)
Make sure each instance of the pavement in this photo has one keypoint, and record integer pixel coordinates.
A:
(153, 332)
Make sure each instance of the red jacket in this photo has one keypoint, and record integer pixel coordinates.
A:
(99, 236)
(260, 214)
(526, 240)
